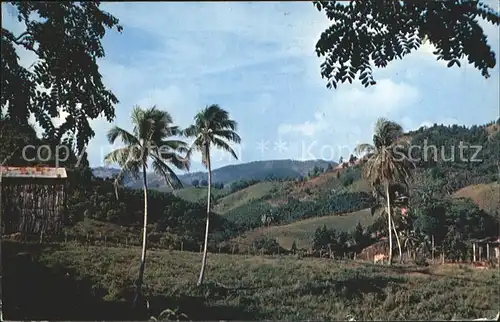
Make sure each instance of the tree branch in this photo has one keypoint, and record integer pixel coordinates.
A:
(21, 36)
(19, 40)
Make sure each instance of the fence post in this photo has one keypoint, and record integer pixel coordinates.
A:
(200, 249)
(433, 248)
(182, 246)
(65, 237)
(219, 248)
(232, 249)
(105, 240)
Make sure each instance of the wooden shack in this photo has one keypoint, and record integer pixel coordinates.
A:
(485, 249)
(33, 199)
(380, 247)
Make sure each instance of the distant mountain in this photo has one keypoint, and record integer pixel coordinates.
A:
(257, 170)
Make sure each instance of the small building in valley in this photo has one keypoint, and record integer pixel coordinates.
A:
(33, 199)
(486, 249)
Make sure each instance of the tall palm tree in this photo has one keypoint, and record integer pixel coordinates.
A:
(387, 163)
(381, 211)
(150, 140)
(212, 128)
(398, 194)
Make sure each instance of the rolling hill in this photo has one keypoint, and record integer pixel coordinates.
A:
(257, 170)
(485, 196)
(337, 197)
(302, 232)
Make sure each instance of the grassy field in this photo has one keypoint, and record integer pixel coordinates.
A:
(303, 231)
(246, 195)
(194, 194)
(96, 283)
(485, 196)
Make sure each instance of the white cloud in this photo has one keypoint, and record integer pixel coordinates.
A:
(346, 118)
(308, 128)
(356, 105)
(182, 104)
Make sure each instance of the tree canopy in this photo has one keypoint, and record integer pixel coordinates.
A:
(379, 31)
(66, 38)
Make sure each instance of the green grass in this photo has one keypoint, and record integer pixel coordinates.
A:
(241, 197)
(94, 283)
(303, 231)
(193, 194)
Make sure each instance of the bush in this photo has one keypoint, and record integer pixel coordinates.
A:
(268, 246)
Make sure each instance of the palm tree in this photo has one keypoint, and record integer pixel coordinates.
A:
(212, 128)
(381, 211)
(149, 140)
(386, 164)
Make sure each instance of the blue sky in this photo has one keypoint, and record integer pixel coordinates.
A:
(257, 61)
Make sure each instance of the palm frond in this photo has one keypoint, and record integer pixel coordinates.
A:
(364, 147)
(190, 131)
(172, 145)
(229, 135)
(212, 126)
(126, 137)
(224, 146)
(386, 132)
(138, 121)
(172, 157)
(161, 168)
(226, 124)
(160, 124)
(121, 156)
(131, 167)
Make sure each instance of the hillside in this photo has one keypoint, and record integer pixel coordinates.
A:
(249, 194)
(298, 207)
(257, 170)
(486, 196)
(302, 232)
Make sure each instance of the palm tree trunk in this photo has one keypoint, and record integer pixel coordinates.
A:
(204, 260)
(389, 221)
(397, 240)
(138, 283)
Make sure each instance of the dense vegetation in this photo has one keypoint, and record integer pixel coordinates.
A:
(66, 39)
(171, 218)
(450, 168)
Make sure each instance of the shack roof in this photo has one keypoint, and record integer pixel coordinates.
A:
(33, 172)
(491, 240)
